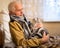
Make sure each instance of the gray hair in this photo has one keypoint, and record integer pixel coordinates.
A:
(11, 6)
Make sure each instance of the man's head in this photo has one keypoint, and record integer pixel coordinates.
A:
(15, 8)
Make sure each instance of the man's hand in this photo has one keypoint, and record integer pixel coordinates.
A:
(45, 37)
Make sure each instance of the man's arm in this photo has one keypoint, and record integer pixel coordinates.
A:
(18, 36)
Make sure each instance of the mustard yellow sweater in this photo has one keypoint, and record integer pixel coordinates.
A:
(18, 37)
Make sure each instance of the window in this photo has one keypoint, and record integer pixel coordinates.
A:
(51, 11)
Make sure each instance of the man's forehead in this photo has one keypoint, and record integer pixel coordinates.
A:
(18, 5)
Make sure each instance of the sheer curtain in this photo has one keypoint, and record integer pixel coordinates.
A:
(32, 8)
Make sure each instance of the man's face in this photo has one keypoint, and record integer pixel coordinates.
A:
(19, 10)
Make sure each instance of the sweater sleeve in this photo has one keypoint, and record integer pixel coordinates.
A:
(18, 36)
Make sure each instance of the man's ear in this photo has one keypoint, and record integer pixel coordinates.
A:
(12, 12)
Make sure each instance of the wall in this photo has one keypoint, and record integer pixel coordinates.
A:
(4, 4)
(53, 28)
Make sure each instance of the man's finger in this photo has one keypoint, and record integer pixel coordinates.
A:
(44, 34)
